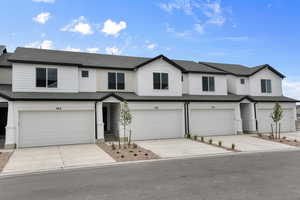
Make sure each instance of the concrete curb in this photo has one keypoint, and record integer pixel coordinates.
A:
(95, 166)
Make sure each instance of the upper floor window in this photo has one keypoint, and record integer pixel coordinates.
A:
(84, 74)
(160, 81)
(242, 80)
(116, 81)
(208, 83)
(266, 86)
(46, 77)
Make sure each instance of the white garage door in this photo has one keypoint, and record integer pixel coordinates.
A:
(207, 122)
(44, 128)
(264, 120)
(157, 124)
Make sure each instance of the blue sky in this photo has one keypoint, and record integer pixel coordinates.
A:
(248, 32)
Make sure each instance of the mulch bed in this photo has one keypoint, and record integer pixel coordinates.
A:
(129, 153)
(282, 140)
(4, 157)
(216, 145)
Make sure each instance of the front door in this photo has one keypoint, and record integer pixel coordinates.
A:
(104, 113)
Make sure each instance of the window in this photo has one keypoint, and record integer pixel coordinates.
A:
(160, 81)
(266, 86)
(116, 80)
(208, 83)
(46, 77)
(242, 81)
(84, 74)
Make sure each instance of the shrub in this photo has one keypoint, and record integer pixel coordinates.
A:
(188, 135)
(195, 137)
(134, 146)
(220, 143)
(130, 151)
(210, 141)
(233, 146)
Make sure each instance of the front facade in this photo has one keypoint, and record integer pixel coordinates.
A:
(57, 97)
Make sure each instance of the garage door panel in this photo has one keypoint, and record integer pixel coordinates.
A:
(264, 120)
(157, 124)
(212, 122)
(42, 128)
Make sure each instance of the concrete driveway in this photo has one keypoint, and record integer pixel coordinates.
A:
(179, 147)
(250, 143)
(55, 157)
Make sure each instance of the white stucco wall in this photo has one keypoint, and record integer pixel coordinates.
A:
(145, 79)
(185, 83)
(235, 86)
(195, 84)
(102, 80)
(24, 78)
(255, 83)
(87, 84)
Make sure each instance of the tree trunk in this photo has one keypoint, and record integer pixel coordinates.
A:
(124, 126)
(279, 132)
(276, 131)
(129, 139)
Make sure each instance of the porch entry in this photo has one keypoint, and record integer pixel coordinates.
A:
(248, 117)
(111, 119)
(3, 123)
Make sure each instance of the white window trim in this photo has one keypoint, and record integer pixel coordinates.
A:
(160, 79)
(86, 71)
(208, 87)
(47, 77)
(117, 80)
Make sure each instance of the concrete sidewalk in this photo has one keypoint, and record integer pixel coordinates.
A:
(55, 157)
(249, 143)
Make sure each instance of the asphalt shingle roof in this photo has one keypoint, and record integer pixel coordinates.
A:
(6, 92)
(240, 70)
(4, 60)
(96, 60)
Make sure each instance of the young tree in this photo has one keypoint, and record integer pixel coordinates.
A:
(125, 117)
(276, 117)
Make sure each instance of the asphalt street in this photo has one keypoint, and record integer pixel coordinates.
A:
(259, 176)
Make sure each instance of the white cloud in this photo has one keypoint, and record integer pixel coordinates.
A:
(79, 25)
(44, 1)
(42, 18)
(291, 88)
(112, 28)
(199, 28)
(151, 46)
(176, 33)
(69, 48)
(214, 13)
(239, 38)
(46, 44)
(185, 5)
(113, 50)
(92, 50)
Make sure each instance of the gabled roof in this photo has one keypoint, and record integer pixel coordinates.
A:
(163, 58)
(42, 56)
(241, 70)
(4, 60)
(2, 49)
